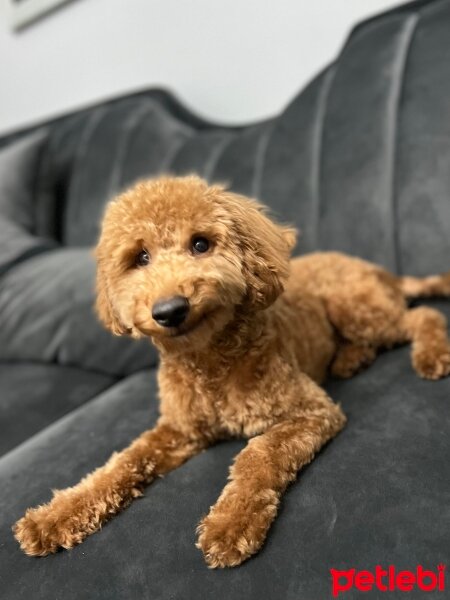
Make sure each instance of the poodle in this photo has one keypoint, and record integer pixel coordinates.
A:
(246, 337)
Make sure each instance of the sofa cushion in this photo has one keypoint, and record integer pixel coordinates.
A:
(18, 175)
(377, 494)
(47, 315)
(34, 395)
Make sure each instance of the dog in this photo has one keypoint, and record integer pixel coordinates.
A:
(246, 336)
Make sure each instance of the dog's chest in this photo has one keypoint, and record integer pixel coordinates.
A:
(224, 401)
(249, 398)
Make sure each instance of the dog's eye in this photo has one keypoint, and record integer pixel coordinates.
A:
(200, 245)
(142, 259)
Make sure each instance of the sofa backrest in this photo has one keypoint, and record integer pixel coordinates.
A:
(359, 161)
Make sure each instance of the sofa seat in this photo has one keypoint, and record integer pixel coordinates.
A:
(34, 395)
(381, 486)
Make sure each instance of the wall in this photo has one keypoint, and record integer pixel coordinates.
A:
(230, 60)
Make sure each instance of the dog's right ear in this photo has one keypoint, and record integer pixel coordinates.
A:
(103, 305)
(265, 246)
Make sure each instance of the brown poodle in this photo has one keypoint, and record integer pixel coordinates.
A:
(246, 337)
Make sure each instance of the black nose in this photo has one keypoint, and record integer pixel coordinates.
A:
(171, 312)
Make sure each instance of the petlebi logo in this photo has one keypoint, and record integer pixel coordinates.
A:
(388, 579)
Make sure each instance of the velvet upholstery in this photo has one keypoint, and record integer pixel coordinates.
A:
(33, 395)
(359, 161)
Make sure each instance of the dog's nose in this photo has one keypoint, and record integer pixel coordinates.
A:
(171, 312)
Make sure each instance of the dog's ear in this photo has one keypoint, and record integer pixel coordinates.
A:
(103, 305)
(266, 247)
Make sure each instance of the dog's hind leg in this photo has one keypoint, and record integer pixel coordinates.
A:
(426, 328)
(365, 320)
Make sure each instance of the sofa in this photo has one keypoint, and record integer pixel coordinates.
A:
(360, 162)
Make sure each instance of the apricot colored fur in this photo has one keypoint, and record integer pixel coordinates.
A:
(261, 335)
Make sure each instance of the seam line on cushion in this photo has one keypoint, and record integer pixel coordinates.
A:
(260, 158)
(73, 365)
(215, 155)
(43, 150)
(132, 120)
(45, 195)
(316, 150)
(74, 187)
(178, 149)
(393, 110)
(172, 152)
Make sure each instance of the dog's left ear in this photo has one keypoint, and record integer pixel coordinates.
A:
(266, 247)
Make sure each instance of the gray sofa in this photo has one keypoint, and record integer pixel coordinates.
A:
(360, 162)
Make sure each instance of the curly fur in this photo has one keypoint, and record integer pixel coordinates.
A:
(261, 335)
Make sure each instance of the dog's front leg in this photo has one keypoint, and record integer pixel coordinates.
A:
(76, 512)
(237, 524)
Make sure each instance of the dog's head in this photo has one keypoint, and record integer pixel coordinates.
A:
(176, 257)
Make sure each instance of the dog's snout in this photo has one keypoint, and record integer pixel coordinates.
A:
(171, 312)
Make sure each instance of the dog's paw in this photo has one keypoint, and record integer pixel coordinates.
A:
(43, 530)
(432, 363)
(221, 546)
(350, 359)
(229, 537)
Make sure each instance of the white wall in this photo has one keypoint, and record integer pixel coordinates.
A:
(229, 60)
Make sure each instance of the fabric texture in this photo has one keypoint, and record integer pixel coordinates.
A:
(359, 162)
(47, 314)
(34, 395)
(18, 171)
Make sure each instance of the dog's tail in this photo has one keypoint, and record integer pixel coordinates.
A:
(426, 287)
